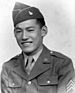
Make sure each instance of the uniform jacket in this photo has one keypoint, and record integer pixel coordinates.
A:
(50, 74)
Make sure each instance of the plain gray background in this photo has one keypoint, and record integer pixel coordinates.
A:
(60, 20)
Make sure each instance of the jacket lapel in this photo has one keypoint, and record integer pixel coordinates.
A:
(43, 64)
(19, 68)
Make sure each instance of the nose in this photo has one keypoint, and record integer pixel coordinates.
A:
(24, 35)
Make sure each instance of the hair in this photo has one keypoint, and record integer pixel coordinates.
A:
(41, 22)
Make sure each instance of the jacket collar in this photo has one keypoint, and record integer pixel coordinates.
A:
(44, 63)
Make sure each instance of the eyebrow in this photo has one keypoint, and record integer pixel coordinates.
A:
(17, 28)
(25, 28)
(29, 27)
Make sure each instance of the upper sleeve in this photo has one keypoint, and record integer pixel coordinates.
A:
(66, 75)
(4, 80)
(66, 71)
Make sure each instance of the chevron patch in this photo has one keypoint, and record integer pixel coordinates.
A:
(70, 87)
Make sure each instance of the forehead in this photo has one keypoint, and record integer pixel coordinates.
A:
(27, 23)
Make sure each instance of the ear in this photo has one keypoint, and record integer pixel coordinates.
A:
(14, 32)
(44, 31)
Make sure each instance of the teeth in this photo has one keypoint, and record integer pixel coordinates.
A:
(26, 43)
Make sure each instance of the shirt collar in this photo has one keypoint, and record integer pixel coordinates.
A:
(34, 56)
(37, 54)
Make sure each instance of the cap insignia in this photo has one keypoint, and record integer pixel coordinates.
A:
(30, 13)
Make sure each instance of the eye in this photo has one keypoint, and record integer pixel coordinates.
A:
(18, 30)
(30, 30)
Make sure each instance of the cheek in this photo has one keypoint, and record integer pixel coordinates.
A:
(18, 37)
(37, 38)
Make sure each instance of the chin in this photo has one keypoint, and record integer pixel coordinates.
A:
(28, 50)
(31, 51)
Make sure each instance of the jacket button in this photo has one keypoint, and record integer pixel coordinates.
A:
(48, 82)
(29, 82)
(13, 84)
(51, 52)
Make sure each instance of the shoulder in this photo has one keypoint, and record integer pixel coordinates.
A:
(61, 60)
(62, 63)
(59, 55)
(10, 63)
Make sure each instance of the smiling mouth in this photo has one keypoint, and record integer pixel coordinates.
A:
(26, 43)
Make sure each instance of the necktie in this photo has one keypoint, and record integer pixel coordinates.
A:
(29, 64)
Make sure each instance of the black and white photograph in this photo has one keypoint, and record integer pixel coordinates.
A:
(37, 46)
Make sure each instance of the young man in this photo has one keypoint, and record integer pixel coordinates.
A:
(37, 69)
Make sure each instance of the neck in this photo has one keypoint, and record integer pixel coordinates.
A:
(34, 52)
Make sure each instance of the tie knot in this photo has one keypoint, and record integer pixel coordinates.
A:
(29, 64)
(29, 61)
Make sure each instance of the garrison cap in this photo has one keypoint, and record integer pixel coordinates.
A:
(22, 12)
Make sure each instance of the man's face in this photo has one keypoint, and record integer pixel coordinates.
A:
(29, 35)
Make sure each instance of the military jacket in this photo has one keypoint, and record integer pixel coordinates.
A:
(50, 74)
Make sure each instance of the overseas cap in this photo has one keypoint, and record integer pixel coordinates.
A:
(22, 12)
